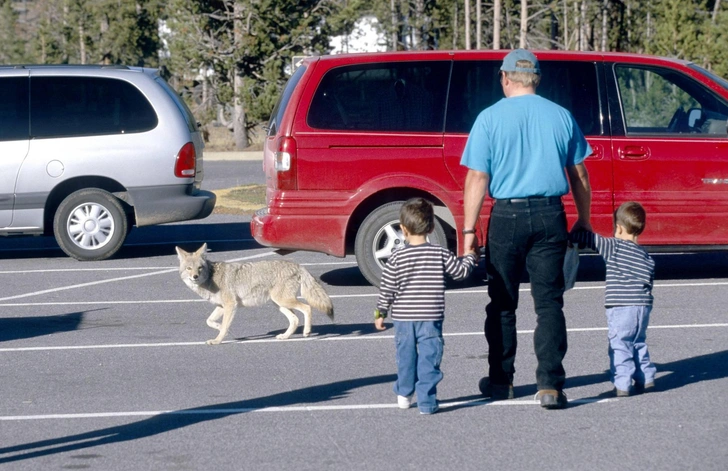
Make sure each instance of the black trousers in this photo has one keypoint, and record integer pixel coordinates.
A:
(532, 234)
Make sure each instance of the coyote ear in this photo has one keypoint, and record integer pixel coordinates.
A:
(180, 253)
(202, 250)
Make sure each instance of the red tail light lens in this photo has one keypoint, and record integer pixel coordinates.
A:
(285, 163)
(185, 165)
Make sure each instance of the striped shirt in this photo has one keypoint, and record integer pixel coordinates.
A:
(630, 270)
(413, 281)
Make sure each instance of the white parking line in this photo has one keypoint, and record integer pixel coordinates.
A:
(112, 280)
(315, 338)
(333, 296)
(76, 270)
(243, 410)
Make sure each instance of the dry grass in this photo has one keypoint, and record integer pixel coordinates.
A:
(242, 200)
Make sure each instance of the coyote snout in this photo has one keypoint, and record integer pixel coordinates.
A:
(229, 285)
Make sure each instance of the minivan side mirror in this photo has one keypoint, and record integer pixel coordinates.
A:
(695, 116)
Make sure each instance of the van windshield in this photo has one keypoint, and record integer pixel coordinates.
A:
(280, 108)
(719, 80)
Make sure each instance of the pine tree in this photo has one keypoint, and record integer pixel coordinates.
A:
(11, 46)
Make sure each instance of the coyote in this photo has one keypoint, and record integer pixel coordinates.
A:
(229, 285)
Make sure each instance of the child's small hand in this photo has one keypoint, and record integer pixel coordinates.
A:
(379, 324)
(471, 252)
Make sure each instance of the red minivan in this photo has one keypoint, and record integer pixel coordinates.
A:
(353, 136)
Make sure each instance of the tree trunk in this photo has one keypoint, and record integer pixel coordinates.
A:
(455, 26)
(566, 25)
(497, 18)
(716, 8)
(419, 25)
(467, 24)
(478, 24)
(81, 42)
(395, 36)
(707, 63)
(524, 24)
(240, 131)
(605, 14)
(583, 27)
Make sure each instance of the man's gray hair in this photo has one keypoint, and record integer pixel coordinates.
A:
(527, 79)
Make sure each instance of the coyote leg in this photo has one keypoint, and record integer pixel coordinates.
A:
(306, 311)
(227, 319)
(292, 323)
(212, 321)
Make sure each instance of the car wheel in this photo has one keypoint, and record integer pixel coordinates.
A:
(90, 224)
(380, 235)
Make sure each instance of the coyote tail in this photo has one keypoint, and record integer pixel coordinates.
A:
(315, 294)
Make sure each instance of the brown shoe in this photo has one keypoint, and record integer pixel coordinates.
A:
(640, 388)
(620, 392)
(496, 392)
(551, 399)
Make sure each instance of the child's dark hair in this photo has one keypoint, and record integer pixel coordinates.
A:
(632, 216)
(417, 216)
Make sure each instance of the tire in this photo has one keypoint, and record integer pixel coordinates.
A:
(90, 224)
(379, 235)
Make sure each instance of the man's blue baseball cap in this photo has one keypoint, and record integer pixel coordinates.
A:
(510, 61)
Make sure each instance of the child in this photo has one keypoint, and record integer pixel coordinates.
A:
(628, 298)
(413, 289)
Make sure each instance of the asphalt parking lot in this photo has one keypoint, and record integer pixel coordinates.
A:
(103, 365)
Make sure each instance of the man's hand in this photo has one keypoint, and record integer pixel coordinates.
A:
(379, 324)
(470, 245)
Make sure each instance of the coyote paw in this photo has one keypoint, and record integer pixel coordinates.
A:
(282, 336)
(213, 342)
(306, 334)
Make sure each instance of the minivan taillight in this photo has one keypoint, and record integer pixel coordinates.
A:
(284, 163)
(184, 166)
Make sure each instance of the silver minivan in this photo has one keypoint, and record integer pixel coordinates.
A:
(88, 152)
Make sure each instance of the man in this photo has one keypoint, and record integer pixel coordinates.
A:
(518, 149)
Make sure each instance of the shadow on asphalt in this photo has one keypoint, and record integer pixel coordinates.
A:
(142, 242)
(672, 375)
(28, 327)
(175, 420)
(326, 330)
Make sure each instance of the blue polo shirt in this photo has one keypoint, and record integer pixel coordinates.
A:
(523, 143)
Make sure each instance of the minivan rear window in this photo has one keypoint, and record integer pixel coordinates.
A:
(280, 108)
(392, 96)
(181, 105)
(87, 106)
(14, 121)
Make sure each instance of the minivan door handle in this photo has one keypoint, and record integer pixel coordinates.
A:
(597, 153)
(634, 153)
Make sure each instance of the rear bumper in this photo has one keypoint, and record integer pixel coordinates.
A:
(325, 234)
(159, 205)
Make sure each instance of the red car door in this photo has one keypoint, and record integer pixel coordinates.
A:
(673, 154)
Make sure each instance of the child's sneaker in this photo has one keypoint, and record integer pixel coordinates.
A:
(404, 402)
(621, 393)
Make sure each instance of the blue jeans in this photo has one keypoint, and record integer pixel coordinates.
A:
(528, 235)
(628, 355)
(419, 353)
